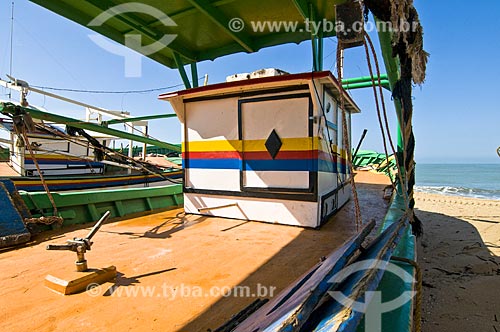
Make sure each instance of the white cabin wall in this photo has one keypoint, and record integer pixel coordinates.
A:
(327, 181)
(294, 213)
(211, 126)
(231, 172)
(212, 120)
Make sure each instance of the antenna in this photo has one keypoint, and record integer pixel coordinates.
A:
(11, 44)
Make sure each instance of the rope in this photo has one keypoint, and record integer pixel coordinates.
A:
(345, 138)
(379, 116)
(43, 220)
(104, 150)
(35, 161)
(112, 92)
(417, 310)
(369, 42)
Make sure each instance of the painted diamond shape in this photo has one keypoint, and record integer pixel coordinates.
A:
(273, 144)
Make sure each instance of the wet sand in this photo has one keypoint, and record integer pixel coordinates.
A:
(460, 257)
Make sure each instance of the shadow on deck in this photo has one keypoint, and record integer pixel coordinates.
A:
(160, 256)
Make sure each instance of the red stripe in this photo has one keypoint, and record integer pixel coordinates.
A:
(329, 157)
(282, 155)
(264, 155)
(212, 155)
(254, 81)
(258, 155)
(241, 83)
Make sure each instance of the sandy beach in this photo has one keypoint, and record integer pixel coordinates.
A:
(460, 258)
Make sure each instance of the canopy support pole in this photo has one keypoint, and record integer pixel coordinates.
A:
(392, 66)
(194, 74)
(182, 71)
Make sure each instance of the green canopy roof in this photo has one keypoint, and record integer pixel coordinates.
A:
(201, 26)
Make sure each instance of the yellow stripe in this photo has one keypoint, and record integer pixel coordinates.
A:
(289, 144)
(82, 181)
(52, 157)
(335, 149)
(204, 146)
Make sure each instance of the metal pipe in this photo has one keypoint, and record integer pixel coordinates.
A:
(139, 118)
(217, 207)
(359, 144)
(385, 84)
(194, 74)
(363, 79)
(68, 100)
(96, 227)
(182, 71)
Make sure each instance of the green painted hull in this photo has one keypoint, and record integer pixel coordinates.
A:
(391, 286)
(4, 154)
(88, 206)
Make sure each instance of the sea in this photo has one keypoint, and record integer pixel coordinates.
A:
(467, 180)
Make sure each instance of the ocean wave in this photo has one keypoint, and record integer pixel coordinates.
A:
(460, 191)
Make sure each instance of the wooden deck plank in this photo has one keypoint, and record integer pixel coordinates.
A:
(168, 266)
(6, 170)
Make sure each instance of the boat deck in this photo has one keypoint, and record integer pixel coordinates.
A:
(7, 170)
(172, 269)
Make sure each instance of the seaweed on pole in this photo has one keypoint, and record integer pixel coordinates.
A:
(407, 45)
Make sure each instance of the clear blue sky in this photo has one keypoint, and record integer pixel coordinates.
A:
(456, 116)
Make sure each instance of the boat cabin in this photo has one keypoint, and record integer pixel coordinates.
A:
(268, 148)
(56, 156)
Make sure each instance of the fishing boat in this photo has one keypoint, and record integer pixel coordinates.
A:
(71, 159)
(270, 204)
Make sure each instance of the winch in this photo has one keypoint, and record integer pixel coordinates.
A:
(84, 277)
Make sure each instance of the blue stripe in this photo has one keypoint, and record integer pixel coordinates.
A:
(70, 186)
(307, 165)
(331, 167)
(212, 163)
(331, 125)
(65, 162)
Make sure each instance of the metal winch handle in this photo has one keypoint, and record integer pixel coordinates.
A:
(79, 245)
(97, 225)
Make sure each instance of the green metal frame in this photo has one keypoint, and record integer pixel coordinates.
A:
(139, 118)
(393, 74)
(223, 23)
(135, 23)
(211, 17)
(182, 71)
(194, 74)
(308, 11)
(37, 114)
(352, 86)
(364, 79)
